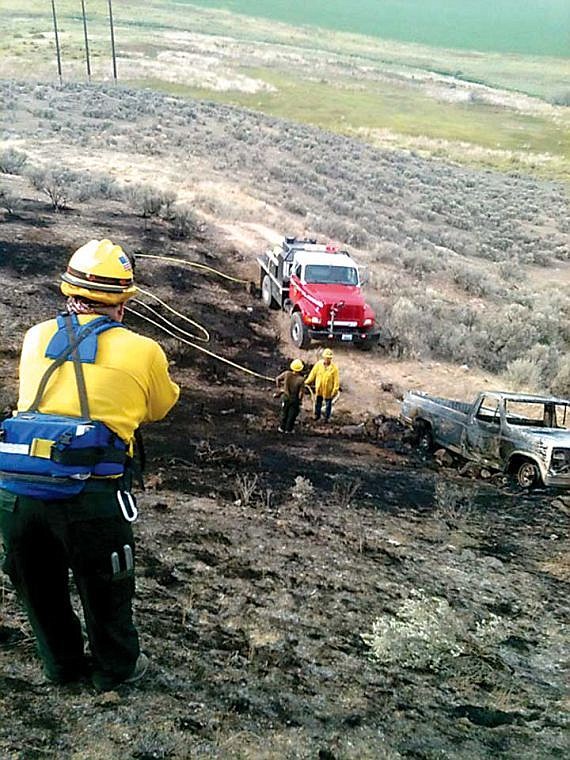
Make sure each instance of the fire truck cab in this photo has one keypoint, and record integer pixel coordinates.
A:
(320, 287)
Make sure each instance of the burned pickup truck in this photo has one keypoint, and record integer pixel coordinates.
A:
(524, 435)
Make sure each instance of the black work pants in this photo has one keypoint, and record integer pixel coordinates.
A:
(290, 408)
(43, 541)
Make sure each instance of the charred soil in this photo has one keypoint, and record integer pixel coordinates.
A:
(264, 559)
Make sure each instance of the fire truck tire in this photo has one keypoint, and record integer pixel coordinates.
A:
(266, 294)
(299, 333)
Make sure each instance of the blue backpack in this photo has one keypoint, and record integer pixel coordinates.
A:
(50, 456)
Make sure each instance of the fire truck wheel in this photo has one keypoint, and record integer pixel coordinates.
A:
(266, 294)
(299, 333)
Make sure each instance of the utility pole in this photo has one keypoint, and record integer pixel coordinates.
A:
(57, 41)
(113, 41)
(86, 41)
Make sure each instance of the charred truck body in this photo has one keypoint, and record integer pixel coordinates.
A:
(526, 435)
(320, 287)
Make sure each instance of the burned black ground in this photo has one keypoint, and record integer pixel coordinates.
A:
(252, 607)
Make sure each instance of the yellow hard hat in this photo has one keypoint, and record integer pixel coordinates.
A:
(296, 365)
(327, 353)
(100, 271)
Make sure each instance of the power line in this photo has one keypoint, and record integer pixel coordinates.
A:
(113, 40)
(86, 41)
(57, 41)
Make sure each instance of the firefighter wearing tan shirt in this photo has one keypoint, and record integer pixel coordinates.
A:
(292, 395)
(127, 384)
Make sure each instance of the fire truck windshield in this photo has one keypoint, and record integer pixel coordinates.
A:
(327, 274)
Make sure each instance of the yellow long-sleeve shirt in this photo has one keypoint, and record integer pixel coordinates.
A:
(128, 384)
(326, 379)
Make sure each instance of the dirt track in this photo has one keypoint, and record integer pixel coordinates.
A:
(253, 610)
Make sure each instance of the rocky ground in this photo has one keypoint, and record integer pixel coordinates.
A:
(264, 561)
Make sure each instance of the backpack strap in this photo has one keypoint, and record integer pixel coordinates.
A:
(78, 368)
(60, 339)
(97, 326)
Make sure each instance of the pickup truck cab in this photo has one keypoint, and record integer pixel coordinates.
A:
(522, 434)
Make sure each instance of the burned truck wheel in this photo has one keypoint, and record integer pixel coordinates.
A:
(266, 294)
(527, 474)
(299, 333)
(424, 436)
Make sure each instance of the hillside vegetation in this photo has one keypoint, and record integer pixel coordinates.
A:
(464, 265)
(483, 109)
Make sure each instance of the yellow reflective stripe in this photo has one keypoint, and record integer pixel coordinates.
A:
(41, 447)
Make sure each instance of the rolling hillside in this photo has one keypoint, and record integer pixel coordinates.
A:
(482, 109)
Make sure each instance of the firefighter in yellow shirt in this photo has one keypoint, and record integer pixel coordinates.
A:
(325, 377)
(126, 383)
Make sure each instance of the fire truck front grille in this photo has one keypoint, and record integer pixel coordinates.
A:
(348, 313)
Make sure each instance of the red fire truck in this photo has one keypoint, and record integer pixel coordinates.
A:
(320, 287)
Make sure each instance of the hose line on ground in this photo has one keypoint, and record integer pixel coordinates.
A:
(204, 339)
(199, 348)
(171, 259)
(203, 267)
(168, 322)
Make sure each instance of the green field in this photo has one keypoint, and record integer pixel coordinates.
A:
(529, 27)
(492, 109)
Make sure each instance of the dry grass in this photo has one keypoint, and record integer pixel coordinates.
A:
(558, 567)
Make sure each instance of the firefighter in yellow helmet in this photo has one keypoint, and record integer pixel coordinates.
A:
(325, 376)
(125, 383)
(99, 271)
(293, 387)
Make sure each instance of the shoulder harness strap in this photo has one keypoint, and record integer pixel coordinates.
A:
(75, 335)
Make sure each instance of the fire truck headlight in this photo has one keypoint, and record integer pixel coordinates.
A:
(368, 322)
(315, 320)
